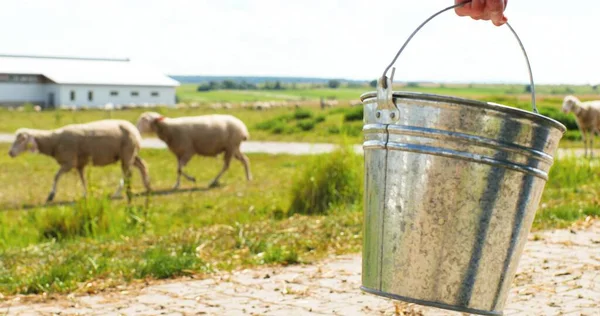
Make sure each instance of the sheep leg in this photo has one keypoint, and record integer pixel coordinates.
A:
(59, 173)
(585, 141)
(246, 162)
(125, 182)
(227, 160)
(181, 162)
(119, 188)
(141, 165)
(592, 136)
(83, 182)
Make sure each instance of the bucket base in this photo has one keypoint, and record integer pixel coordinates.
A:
(428, 303)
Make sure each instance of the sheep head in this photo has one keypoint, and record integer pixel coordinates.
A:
(570, 104)
(24, 138)
(145, 123)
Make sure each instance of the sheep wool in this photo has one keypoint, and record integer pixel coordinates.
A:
(587, 115)
(99, 143)
(204, 135)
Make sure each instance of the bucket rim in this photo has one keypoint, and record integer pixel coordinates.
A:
(470, 102)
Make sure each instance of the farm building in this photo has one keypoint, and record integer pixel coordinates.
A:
(92, 82)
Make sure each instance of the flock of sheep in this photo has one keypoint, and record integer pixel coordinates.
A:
(105, 142)
(258, 105)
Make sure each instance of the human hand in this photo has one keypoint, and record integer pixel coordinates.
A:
(484, 10)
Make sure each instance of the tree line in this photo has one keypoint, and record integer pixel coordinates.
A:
(243, 85)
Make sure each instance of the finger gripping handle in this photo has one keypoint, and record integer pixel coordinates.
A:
(384, 81)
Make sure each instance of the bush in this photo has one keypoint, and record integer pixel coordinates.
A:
(301, 114)
(329, 180)
(274, 123)
(572, 135)
(354, 114)
(306, 125)
(333, 84)
(278, 128)
(566, 119)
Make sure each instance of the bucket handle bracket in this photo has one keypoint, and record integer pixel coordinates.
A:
(387, 111)
(384, 84)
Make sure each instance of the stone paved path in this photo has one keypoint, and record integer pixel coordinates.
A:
(559, 274)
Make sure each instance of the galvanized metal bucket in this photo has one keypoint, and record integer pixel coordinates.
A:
(451, 190)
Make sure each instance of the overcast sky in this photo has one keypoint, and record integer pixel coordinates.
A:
(314, 38)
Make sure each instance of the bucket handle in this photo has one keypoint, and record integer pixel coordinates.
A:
(384, 82)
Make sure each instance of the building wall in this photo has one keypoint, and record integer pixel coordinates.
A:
(19, 93)
(101, 95)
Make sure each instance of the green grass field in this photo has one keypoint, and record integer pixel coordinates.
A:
(327, 125)
(330, 128)
(188, 93)
(296, 210)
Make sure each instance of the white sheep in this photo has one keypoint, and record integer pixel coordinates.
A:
(205, 135)
(587, 115)
(216, 106)
(76, 145)
(109, 107)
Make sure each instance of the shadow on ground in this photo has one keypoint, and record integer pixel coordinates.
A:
(136, 196)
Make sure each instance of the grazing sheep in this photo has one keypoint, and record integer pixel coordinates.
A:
(37, 108)
(328, 103)
(109, 107)
(205, 135)
(76, 145)
(259, 106)
(587, 115)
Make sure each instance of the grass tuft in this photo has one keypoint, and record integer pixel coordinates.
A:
(87, 218)
(162, 263)
(327, 181)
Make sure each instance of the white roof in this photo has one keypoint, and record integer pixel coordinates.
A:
(66, 70)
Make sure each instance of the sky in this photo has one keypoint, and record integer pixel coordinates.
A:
(315, 38)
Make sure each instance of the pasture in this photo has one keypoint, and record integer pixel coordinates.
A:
(332, 124)
(296, 210)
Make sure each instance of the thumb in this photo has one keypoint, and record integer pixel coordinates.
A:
(496, 10)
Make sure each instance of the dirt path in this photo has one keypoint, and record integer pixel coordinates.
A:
(292, 148)
(559, 274)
